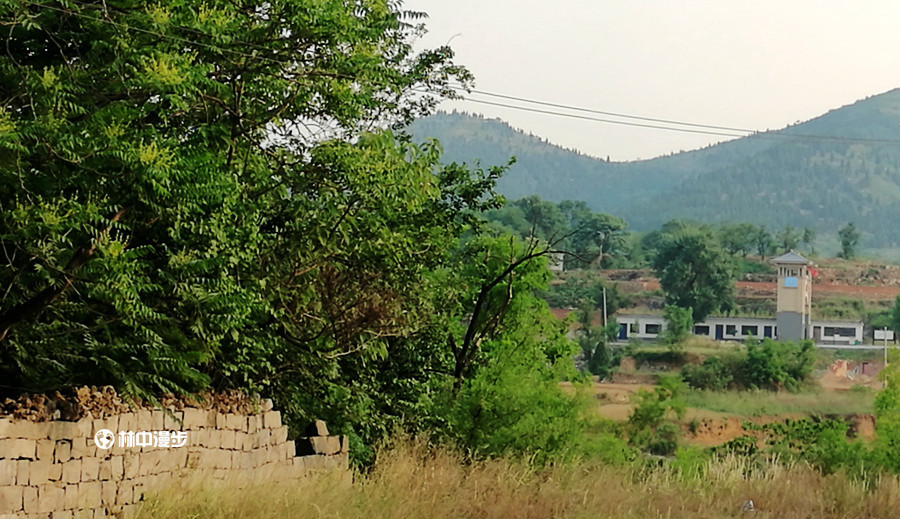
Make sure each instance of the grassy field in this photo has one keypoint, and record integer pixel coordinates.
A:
(763, 403)
(417, 482)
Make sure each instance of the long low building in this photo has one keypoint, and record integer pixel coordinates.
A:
(738, 328)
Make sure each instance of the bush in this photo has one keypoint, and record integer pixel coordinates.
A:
(664, 441)
(776, 365)
(711, 375)
(647, 424)
(514, 406)
(765, 365)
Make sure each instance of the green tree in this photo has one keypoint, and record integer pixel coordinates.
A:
(545, 220)
(775, 365)
(763, 240)
(679, 325)
(586, 286)
(895, 316)
(809, 238)
(849, 237)
(738, 239)
(695, 272)
(594, 341)
(788, 238)
(647, 426)
(191, 198)
(503, 393)
(595, 237)
(886, 451)
(207, 195)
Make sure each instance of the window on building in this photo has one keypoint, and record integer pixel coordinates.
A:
(701, 329)
(840, 331)
(750, 330)
(730, 329)
(653, 329)
(634, 328)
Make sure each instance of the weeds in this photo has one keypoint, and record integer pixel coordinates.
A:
(413, 480)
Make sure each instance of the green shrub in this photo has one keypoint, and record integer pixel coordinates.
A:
(664, 441)
(712, 374)
(647, 425)
(764, 365)
(679, 323)
(514, 406)
(776, 365)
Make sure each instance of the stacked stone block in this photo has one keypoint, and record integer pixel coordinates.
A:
(53, 470)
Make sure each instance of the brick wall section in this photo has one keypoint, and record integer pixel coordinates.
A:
(53, 470)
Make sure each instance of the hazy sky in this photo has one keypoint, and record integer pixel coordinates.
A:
(760, 64)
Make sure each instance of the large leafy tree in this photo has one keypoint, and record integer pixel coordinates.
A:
(695, 272)
(738, 238)
(595, 238)
(200, 193)
(507, 357)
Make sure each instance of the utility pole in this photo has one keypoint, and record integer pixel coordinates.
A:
(604, 307)
(885, 353)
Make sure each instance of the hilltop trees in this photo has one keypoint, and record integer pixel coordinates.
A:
(849, 237)
(809, 238)
(739, 238)
(788, 238)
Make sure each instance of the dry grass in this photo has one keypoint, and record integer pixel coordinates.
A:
(416, 482)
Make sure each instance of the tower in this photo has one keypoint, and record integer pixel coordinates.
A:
(793, 297)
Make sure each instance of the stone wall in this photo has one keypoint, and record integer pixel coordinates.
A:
(55, 469)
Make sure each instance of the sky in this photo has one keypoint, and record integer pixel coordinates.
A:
(760, 64)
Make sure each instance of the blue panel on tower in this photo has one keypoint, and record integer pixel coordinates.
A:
(790, 282)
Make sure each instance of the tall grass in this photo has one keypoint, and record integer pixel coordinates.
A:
(761, 403)
(412, 480)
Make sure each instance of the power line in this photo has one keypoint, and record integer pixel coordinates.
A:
(708, 129)
(597, 119)
(746, 132)
(612, 114)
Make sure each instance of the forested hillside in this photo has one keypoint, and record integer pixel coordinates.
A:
(843, 166)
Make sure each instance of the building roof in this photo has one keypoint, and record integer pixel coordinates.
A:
(791, 258)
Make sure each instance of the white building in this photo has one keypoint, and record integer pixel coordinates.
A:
(738, 328)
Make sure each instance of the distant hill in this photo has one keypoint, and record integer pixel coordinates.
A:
(770, 178)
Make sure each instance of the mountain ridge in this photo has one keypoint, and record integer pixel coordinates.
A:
(841, 166)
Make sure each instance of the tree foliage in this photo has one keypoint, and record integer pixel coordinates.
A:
(849, 238)
(679, 325)
(788, 238)
(203, 194)
(695, 272)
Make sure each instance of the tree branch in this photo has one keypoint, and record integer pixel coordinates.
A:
(36, 304)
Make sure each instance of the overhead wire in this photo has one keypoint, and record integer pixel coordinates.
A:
(692, 127)
(610, 121)
(745, 132)
(602, 112)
